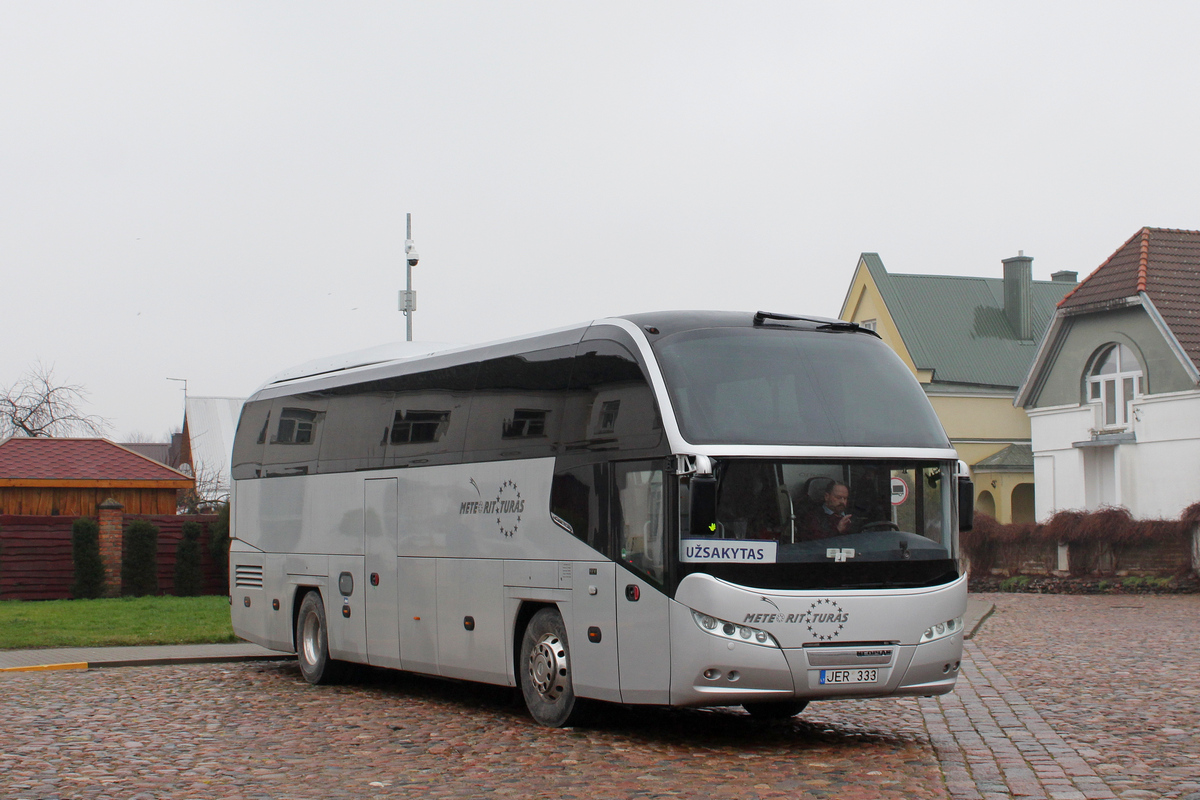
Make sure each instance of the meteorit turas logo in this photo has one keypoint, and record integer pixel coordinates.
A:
(507, 507)
(825, 619)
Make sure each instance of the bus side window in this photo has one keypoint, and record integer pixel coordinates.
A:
(579, 497)
(249, 439)
(517, 406)
(355, 432)
(611, 405)
(639, 516)
(294, 435)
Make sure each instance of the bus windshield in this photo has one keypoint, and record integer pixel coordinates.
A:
(794, 387)
(826, 524)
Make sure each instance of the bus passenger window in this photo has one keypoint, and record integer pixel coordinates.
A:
(640, 517)
(412, 427)
(579, 499)
(295, 426)
(249, 440)
(294, 443)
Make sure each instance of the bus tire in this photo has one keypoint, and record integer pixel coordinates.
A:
(782, 709)
(545, 670)
(312, 641)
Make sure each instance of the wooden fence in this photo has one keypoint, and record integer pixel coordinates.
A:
(35, 555)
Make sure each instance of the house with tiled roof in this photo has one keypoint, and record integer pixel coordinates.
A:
(47, 477)
(969, 340)
(1113, 394)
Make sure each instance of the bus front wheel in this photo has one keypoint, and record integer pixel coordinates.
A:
(312, 641)
(545, 670)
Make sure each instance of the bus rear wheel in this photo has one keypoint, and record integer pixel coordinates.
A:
(312, 641)
(545, 671)
(784, 709)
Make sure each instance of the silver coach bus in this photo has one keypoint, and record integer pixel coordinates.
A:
(677, 508)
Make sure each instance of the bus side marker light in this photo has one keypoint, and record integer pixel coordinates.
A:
(275, 604)
(469, 623)
(594, 634)
(346, 611)
(633, 592)
(246, 601)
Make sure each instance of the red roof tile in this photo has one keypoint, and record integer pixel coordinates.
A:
(78, 460)
(1163, 263)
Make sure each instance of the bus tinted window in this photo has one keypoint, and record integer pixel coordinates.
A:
(249, 440)
(579, 499)
(356, 429)
(517, 407)
(294, 435)
(611, 405)
(790, 387)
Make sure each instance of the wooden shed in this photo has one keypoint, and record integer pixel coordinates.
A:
(71, 477)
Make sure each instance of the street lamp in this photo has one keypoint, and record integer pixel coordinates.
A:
(408, 298)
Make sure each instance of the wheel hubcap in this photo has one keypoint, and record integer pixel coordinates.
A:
(310, 638)
(548, 667)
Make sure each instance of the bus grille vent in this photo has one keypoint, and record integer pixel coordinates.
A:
(248, 575)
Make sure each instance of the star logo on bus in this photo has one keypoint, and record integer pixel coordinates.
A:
(826, 619)
(508, 506)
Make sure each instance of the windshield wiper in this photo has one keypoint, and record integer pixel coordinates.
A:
(823, 323)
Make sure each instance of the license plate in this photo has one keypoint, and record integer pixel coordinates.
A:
(849, 676)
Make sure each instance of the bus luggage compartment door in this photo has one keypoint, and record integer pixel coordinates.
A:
(380, 592)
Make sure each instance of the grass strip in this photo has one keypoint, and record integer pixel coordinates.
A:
(117, 621)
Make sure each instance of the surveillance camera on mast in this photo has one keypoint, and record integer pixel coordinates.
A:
(410, 253)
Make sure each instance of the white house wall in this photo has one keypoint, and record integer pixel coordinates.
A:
(1154, 477)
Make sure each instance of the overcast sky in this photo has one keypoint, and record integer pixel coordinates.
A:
(216, 191)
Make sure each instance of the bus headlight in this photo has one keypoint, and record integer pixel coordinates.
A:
(728, 630)
(942, 630)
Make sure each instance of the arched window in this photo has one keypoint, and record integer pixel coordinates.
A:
(1114, 381)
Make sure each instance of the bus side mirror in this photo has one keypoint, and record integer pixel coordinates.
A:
(702, 506)
(966, 504)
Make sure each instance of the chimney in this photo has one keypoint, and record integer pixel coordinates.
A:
(1018, 288)
(1065, 276)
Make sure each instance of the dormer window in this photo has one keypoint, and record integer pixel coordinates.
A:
(1114, 381)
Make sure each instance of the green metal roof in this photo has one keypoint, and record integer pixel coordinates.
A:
(1014, 458)
(955, 325)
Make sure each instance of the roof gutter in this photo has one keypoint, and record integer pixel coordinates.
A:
(1047, 345)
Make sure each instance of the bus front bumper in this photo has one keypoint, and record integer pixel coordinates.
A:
(708, 671)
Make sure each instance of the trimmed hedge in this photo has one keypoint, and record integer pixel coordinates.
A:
(218, 541)
(139, 565)
(1098, 539)
(188, 579)
(85, 556)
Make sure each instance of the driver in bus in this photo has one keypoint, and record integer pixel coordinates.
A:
(831, 519)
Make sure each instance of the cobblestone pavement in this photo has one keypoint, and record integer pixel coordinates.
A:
(1060, 697)
(258, 731)
(1116, 677)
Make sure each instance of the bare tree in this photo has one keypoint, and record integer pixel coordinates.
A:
(37, 404)
(211, 490)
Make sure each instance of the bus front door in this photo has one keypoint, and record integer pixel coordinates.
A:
(380, 521)
(643, 611)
